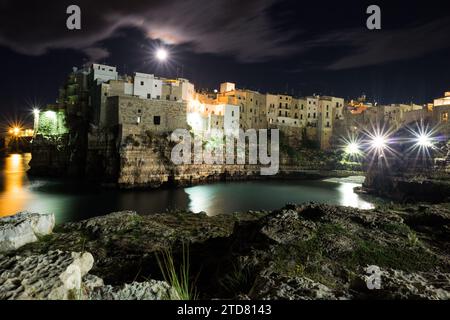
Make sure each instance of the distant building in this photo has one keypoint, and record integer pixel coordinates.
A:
(441, 108)
(252, 105)
(146, 86)
(103, 73)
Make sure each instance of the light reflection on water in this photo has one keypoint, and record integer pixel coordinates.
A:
(269, 195)
(71, 201)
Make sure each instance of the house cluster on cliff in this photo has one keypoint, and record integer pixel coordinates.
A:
(99, 95)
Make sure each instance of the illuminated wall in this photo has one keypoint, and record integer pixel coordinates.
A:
(52, 123)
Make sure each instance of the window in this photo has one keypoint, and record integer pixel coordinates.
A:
(314, 115)
(168, 97)
(328, 107)
(142, 83)
(445, 116)
(232, 113)
(301, 117)
(156, 86)
(149, 96)
(309, 115)
(328, 115)
(157, 120)
(139, 110)
(158, 97)
(328, 124)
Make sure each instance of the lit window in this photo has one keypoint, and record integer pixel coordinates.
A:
(445, 116)
(138, 120)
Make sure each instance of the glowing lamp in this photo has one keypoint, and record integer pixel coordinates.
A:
(379, 142)
(424, 140)
(352, 148)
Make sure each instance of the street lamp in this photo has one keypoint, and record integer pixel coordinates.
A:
(352, 148)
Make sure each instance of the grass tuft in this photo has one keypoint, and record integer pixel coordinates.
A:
(177, 278)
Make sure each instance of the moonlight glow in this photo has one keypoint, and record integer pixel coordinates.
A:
(161, 54)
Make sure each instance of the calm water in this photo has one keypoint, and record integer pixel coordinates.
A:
(72, 201)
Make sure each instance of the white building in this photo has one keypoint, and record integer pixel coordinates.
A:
(146, 86)
(205, 117)
(178, 90)
(227, 87)
(103, 73)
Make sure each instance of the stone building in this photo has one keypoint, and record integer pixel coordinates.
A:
(205, 114)
(441, 112)
(137, 116)
(316, 115)
(252, 105)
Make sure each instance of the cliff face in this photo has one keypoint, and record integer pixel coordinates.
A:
(144, 160)
(50, 156)
(409, 179)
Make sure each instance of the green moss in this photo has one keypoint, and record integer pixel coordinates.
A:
(396, 228)
(404, 258)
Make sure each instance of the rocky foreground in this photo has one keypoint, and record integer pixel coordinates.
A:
(298, 252)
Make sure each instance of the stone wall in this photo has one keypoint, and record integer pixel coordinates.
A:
(139, 115)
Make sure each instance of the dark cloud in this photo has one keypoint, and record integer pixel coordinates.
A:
(369, 48)
(239, 28)
(243, 29)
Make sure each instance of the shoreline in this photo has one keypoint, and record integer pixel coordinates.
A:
(309, 251)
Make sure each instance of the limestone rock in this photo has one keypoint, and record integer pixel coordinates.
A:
(276, 287)
(23, 228)
(149, 290)
(398, 284)
(53, 275)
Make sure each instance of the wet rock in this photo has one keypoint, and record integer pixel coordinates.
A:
(23, 228)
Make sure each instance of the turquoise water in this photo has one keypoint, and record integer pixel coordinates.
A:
(72, 201)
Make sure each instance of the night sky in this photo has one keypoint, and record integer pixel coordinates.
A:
(297, 47)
